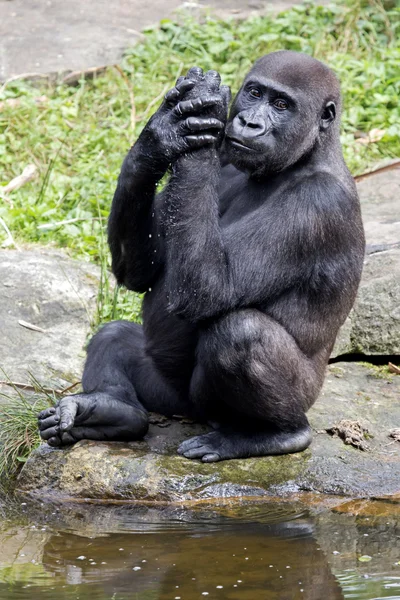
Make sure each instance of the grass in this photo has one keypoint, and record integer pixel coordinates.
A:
(77, 136)
(19, 433)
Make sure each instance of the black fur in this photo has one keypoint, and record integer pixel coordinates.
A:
(250, 260)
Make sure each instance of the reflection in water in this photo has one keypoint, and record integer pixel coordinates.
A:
(148, 554)
(249, 562)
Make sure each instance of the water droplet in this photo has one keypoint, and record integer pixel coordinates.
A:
(136, 568)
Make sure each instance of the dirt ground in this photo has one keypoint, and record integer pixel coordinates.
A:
(43, 36)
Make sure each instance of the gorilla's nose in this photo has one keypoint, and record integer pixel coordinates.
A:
(249, 125)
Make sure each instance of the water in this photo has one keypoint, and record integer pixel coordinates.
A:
(252, 552)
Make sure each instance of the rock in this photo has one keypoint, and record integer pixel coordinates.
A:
(47, 289)
(151, 471)
(373, 326)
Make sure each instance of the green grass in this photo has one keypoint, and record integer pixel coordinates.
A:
(19, 433)
(78, 136)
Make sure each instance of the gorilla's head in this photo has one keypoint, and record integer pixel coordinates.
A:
(288, 105)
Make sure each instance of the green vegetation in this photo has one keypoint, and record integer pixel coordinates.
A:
(19, 433)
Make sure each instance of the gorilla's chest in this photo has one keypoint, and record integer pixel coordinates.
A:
(240, 196)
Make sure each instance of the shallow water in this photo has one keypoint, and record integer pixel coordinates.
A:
(262, 551)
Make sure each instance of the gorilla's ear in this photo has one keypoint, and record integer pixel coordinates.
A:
(328, 116)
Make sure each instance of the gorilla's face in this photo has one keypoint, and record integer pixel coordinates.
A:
(277, 116)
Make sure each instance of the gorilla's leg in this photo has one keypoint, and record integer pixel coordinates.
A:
(261, 384)
(119, 384)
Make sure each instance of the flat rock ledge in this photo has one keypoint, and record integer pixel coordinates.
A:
(150, 471)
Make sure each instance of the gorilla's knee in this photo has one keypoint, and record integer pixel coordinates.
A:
(229, 343)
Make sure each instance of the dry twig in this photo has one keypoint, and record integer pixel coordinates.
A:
(32, 388)
(393, 368)
(27, 175)
(393, 165)
(31, 326)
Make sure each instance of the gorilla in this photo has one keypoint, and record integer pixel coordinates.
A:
(249, 258)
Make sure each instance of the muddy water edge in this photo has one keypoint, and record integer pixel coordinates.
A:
(310, 548)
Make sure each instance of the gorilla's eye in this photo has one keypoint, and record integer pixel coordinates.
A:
(255, 92)
(281, 104)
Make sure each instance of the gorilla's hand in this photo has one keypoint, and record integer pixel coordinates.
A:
(193, 115)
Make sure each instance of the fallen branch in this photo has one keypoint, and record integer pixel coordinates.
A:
(10, 240)
(31, 388)
(27, 175)
(31, 326)
(66, 222)
(23, 76)
(393, 165)
(74, 77)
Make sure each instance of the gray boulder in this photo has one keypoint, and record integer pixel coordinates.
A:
(55, 294)
(373, 326)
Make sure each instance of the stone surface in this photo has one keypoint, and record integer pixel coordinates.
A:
(373, 326)
(152, 471)
(42, 36)
(55, 293)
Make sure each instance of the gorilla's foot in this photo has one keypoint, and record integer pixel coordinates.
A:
(225, 444)
(95, 416)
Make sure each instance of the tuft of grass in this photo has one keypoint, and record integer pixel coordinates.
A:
(19, 434)
(114, 302)
(77, 136)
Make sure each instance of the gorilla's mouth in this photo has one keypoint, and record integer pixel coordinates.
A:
(238, 144)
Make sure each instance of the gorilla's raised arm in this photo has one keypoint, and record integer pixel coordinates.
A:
(183, 123)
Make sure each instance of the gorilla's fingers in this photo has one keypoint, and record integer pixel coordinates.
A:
(196, 452)
(226, 93)
(196, 104)
(67, 439)
(54, 442)
(49, 432)
(212, 457)
(51, 421)
(194, 442)
(47, 412)
(197, 141)
(199, 124)
(196, 73)
(213, 79)
(179, 90)
(68, 409)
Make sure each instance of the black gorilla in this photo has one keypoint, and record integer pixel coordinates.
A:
(250, 259)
